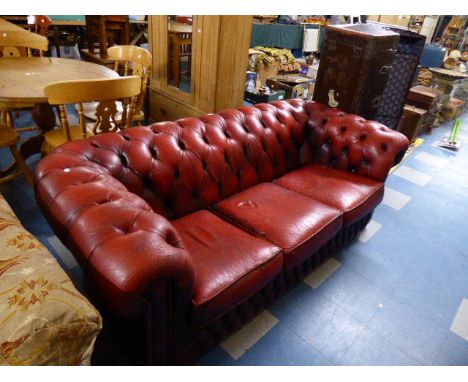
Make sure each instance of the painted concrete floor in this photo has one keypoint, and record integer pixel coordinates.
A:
(397, 296)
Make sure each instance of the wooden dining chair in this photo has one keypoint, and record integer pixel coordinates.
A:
(9, 139)
(130, 60)
(105, 92)
(107, 30)
(19, 44)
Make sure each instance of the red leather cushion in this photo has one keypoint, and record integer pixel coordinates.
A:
(352, 194)
(230, 264)
(296, 223)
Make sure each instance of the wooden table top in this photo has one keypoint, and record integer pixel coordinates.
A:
(23, 79)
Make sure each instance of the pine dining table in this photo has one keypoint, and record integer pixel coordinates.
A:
(23, 79)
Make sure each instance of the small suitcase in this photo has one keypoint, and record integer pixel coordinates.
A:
(426, 98)
(423, 96)
(411, 122)
(355, 63)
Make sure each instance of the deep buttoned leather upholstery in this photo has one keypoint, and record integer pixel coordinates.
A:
(352, 194)
(225, 276)
(296, 223)
(133, 206)
(115, 235)
(350, 143)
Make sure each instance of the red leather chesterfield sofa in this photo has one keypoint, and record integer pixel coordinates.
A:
(198, 224)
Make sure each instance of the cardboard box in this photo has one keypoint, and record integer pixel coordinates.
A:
(403, 21)
(308, 70)
(454, 108)
(389, 19)
(295, 86)
(264, 71)
(268, 71)
(262, 98)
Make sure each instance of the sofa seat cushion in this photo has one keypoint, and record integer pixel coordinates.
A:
(230, 264)
(296, 223)
(352, 194)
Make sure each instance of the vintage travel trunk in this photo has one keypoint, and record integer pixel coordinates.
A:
(411, 122)
(410, 47)
(354, 67)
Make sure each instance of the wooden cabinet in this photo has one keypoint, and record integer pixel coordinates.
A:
(219, 57)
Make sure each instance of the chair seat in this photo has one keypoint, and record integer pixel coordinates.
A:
(231, 265)
(56, 137)
(8, 136)
(10, 106)
(296, 223)
(352, 194)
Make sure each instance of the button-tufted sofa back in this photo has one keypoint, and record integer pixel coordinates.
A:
(183, 166)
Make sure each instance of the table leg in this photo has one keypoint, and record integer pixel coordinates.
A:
(44, 116)
(102, 36)
(57, 40)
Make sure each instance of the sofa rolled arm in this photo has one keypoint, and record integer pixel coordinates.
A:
(351, 143)
(124, 246)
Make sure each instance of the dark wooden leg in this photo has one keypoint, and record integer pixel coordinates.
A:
(102, 37)
(126, 34)
(57, 40)
(91, 32)
(44, 117)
